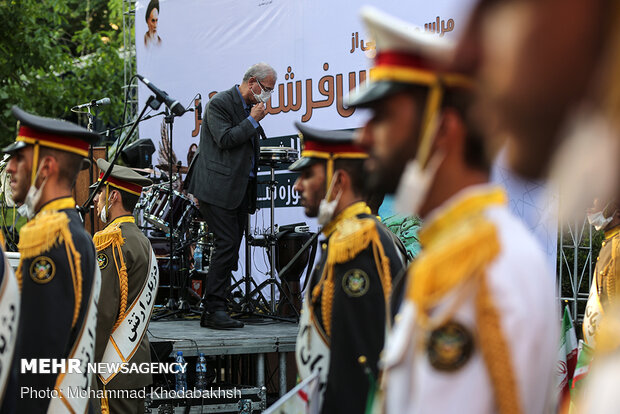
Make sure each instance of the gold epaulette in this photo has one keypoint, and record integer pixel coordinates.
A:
(351, 237)
(45, 231)
(42, 233)
(458, 255)
(110, 235)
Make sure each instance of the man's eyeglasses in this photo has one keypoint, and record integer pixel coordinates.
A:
(270, 90)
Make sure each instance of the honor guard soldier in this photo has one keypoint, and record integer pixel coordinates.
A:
(9, 319)
(57, 273)
(346, 308)
(605, 289)
(130, 278)
(477, 328)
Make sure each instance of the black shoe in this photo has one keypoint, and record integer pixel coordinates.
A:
(219, 320)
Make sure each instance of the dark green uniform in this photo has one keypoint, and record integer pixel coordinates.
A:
(135, 253)
(359, 258)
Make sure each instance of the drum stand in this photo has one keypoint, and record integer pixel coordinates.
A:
(270, 245)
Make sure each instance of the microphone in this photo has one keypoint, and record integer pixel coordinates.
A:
(100, 102)
(175, 106)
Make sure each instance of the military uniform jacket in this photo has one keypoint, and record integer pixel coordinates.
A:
(135, 252)
(352, 311)
(478, 329)
(605, 289)
(56, 273)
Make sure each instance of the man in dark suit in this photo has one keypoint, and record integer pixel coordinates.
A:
(224, 179)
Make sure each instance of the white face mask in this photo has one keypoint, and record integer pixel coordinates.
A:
(414, 185)
(32, 198)
(264, 95)
(327, 208)
(599, 221)
(103, 214)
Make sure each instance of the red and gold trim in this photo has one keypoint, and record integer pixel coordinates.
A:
(63, 143)
(122, 185)
(315, 149)
(402, 67)
(329, 152)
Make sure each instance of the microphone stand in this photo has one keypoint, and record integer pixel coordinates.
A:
(183, 305)
(91, 212)
(153, 103)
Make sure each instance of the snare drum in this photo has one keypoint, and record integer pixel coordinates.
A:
(162, 210)
(277, 155)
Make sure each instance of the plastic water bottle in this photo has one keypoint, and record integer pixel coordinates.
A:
(181, 375)
(201, 372)
(198, 257)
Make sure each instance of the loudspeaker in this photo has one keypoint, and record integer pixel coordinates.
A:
(138, 154)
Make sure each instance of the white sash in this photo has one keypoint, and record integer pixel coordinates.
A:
(593, 315)
(73, 387)
(126, 338)
(9, 319)
(312, 351)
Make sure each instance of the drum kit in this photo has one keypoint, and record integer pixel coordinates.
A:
(159, 210)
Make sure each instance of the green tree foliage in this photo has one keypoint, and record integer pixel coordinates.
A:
(55, 54)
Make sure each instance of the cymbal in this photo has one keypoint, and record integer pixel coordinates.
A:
(175, 168)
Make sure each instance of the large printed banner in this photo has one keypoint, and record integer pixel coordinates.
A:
(319, 48)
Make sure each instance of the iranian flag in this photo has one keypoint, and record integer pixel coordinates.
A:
(584, 359)
(583, 365)
(567, 355)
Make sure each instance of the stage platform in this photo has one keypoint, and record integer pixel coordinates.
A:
(256, 337)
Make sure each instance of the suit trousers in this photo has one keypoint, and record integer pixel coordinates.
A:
(227, 226)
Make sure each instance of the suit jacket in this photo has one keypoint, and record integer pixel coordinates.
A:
(228, 140)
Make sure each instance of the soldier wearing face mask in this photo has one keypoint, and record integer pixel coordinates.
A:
(476, 330)
(346, 309)
(129, 284)
(605, 289)
(57, 273)
(224, 179)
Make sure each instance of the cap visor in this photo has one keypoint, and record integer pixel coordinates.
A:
(375, 91)
(302, 164)
(16, 146)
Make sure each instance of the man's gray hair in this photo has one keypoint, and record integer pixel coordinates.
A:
(260, 71)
